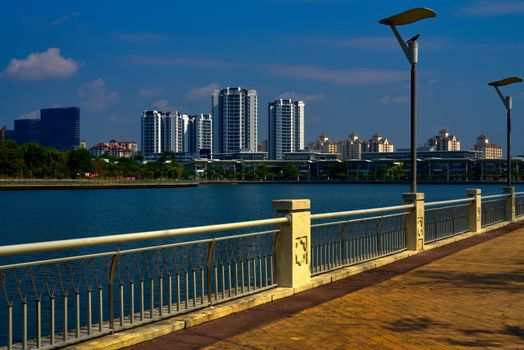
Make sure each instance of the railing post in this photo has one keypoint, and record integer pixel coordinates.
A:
(510, 203)
(415, 222)
(475, 210)
(293, 245)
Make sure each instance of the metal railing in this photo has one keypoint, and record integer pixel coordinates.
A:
(443, 220)
(343, 243)
(58, 301)
(493, 209)
(519, 203)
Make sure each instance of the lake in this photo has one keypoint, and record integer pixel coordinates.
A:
(32, 216)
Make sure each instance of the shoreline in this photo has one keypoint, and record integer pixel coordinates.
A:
(87, 185)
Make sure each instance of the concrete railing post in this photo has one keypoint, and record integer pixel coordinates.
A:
(293, 245)
(475, 211)
(415, 222)
(510, 203)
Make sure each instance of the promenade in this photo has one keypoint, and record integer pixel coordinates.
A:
(465, 295)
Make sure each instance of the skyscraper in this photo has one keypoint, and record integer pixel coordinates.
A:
(286, 127)
(235, 119)
(151, 133)
(27, 130)
(60, 127)
(174, 131)
(200, 134)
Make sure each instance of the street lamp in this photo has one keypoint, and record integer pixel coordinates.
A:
(410, 49)
(506, 100)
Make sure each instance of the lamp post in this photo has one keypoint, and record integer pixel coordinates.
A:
(410, 49)
(506, 100)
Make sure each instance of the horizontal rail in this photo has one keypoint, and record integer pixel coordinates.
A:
(29, 248)
(519, 193)
(359, 219)
(496, 196)
(360, 212)
(452, 201)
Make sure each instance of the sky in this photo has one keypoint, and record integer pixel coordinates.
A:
(115, 59)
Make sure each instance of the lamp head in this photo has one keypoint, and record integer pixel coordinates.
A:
(409, 16)
(506, 81)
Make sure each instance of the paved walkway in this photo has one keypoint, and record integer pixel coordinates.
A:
(471, 299)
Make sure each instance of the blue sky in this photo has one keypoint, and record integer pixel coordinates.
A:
(115, 59)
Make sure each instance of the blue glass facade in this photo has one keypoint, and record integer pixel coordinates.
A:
(27, 130)
(60, 128)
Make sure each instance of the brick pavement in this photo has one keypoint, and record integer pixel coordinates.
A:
(472, 299)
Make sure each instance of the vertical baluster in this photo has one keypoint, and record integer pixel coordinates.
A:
(248, 274)
(229, 279)
(223, 280)
(161, 295)
(261, 282)
(65, 335)
(186, 280)
(215, 270)
(236, 277)
(151, 296)
(265, 271)
(89, 312)
(132, 301)
(77, 314)
(38, 323)
(194, 288)
(178, 291)
(272, 267)
(202, 286)
(254, 274)
(100, 309)
(169, 293)
(9, 326)
(121, 292)
(242, 276)
(24, 324)
(142, 300)
(52, 319)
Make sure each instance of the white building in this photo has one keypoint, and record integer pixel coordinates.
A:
(444, 141)
(286, 127)
(351, 148)
(200, 134)
(235, 116)
(174, 131)
(151, 133)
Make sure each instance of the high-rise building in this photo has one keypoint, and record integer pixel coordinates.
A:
(235, 119)
(444, 141)
(174, 131)
(489, 150)
(323, 144)
(378, 144)
(351, 148)
(286, 127)
(200, 134)
(27, 130)
(60, 127)
(151, 133)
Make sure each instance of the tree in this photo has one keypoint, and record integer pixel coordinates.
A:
(79, 161)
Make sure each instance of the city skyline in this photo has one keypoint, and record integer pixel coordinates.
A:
(343, 64)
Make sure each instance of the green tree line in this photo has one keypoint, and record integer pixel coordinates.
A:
(32, 160)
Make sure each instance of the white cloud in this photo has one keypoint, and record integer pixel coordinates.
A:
(62, 19)
(164, 105)
(41, 65)
(494, 8)
(151, 91)
(30, 115)
(95, 97)
(202, 92)
(388, 100)
(357, 76)
(303, 97)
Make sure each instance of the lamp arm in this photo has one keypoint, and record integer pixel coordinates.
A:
(401, 42)
(502, 97)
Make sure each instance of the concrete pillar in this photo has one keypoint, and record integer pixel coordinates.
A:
(510, 203)
(474, 210)
(293, 245)
(415, 221)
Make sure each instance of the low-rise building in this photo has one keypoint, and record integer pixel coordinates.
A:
(116, 149)
(444, 141)
(323, 144)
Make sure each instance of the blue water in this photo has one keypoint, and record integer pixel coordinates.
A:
(32, 216)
